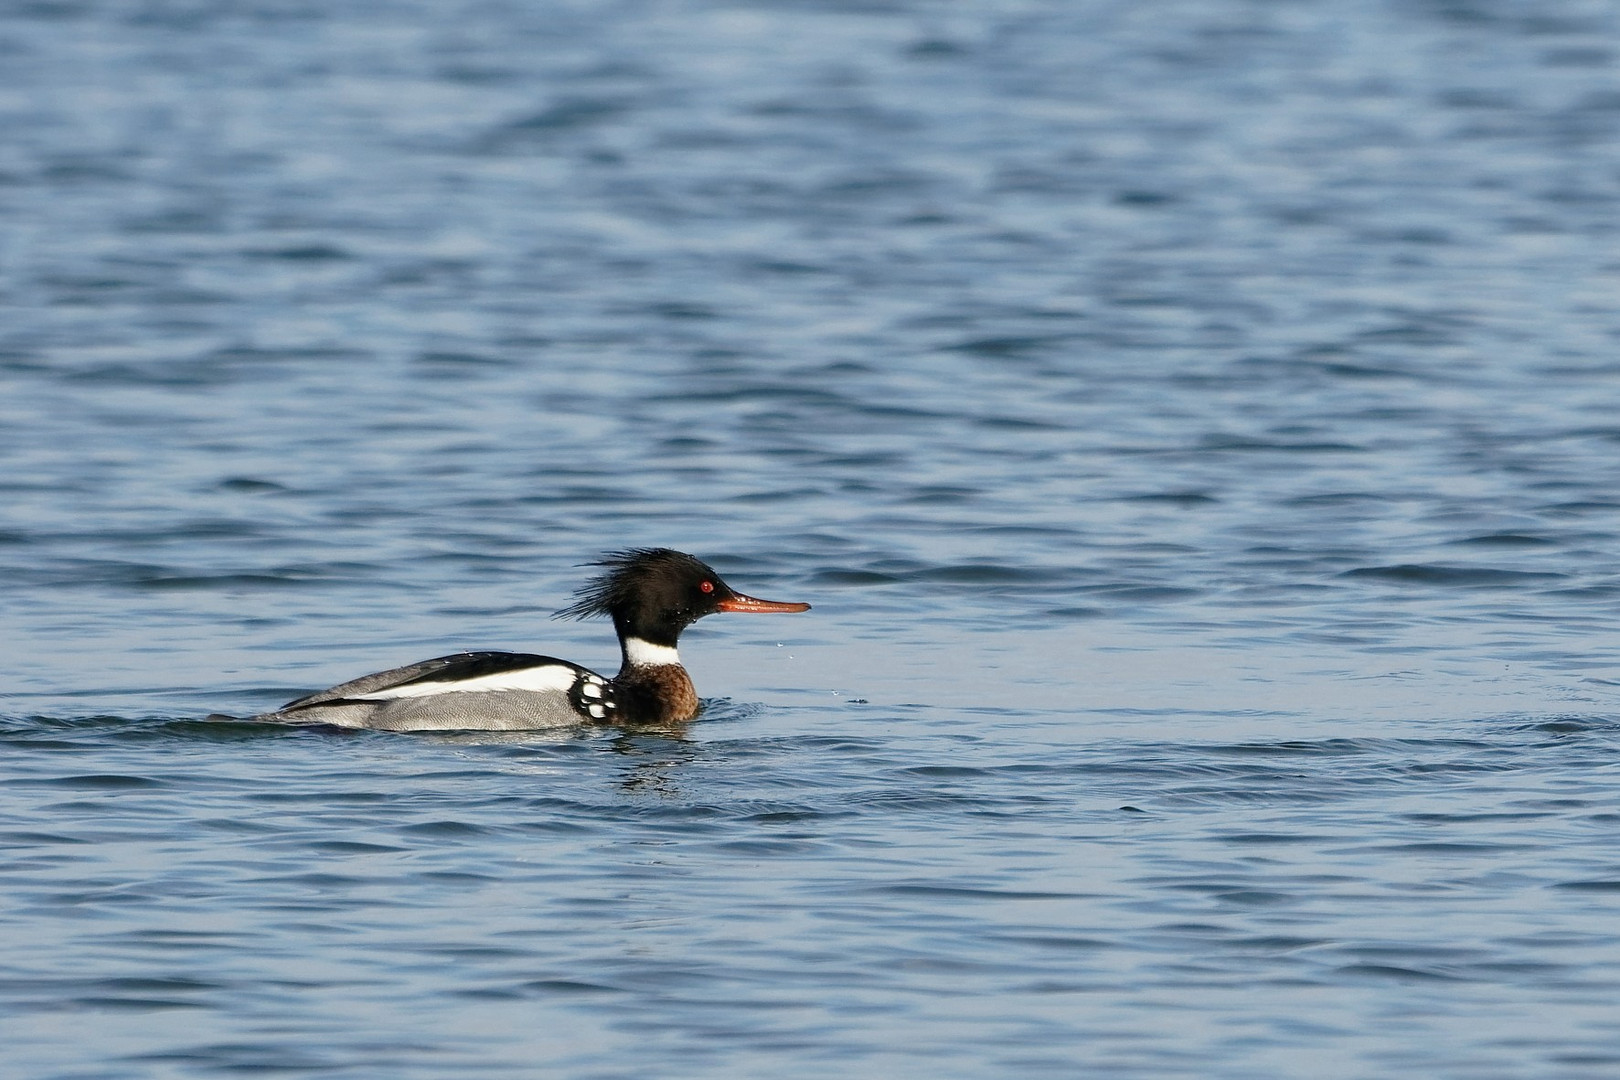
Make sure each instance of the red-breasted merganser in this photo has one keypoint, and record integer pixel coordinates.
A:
(652, 595)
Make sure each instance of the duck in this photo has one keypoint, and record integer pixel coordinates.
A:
(651, 594)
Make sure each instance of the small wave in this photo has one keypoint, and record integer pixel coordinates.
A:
(1452, 576)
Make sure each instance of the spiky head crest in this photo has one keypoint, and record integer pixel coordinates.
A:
(653, 594)
(641, 580)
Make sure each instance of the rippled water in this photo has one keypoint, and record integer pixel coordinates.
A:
(1195, 424)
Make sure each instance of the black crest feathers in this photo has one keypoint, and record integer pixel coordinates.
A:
(617, 586)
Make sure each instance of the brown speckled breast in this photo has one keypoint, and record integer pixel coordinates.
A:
(655, 695)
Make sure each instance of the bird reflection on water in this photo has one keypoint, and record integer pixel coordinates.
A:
(655, 759)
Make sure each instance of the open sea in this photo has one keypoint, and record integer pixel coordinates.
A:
(1195, 423)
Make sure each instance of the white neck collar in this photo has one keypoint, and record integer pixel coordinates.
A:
(639, 653)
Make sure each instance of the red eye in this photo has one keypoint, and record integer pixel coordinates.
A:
(707, 586)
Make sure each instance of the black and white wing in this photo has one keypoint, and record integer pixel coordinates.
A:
(465, 691)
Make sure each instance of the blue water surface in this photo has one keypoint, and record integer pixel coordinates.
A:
(1196, 425)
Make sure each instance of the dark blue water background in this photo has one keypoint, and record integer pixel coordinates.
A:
(1196, 424)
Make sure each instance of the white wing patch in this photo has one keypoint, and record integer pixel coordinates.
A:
(549, 678)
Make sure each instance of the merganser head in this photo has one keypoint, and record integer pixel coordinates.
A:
(655, 593)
